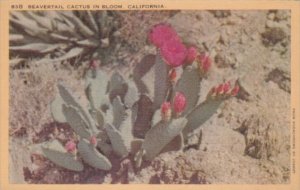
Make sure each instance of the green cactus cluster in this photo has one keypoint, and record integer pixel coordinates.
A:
(112, 113)
(169, 82)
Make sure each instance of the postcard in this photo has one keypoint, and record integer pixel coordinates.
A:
(131, 94)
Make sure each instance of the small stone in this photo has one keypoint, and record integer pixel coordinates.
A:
(270, 23)
(281, 15)
(271, 16)
(272, 36)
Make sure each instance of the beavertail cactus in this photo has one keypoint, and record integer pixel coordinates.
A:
(162, 98)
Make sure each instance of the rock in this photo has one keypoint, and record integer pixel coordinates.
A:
(281, 15)
(221, 13)
(271, 16)
(263, 139)
(272, 36)
(281, 78)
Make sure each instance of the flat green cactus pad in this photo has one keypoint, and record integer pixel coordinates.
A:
(201, 114)
(118, 142)
(189, 85)
(96, 88)
(55, 152)
(76, 121)
(92, 157)
(160, 135)
(70, 100)
(56, 110)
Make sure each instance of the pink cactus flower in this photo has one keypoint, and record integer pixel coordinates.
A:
(161, 33)
(174, 53)
(204, 62)
(191, 55)
(93, 140)
(166, 111)
(179, 102)
(70, 146)
(223, 88)
(220, 88)
(235, 90)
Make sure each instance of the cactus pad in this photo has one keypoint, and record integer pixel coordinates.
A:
(189, 84)
(132, 94)
(96, 88)
(66, 95)
(160, 135)
(201, 114)
(55, 152)
(118, 142)
(92, 157)
(76, 121)
(56, 110)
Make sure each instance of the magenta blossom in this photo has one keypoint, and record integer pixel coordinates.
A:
(179, 102)
(70, 146)
(161, 33)
(191, 55)
(174, 53)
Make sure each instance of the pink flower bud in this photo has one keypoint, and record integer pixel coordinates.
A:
(226, 87)
(179, 102)
(172, 75)
(161, 33)
(174, 53)
(235, 90)
(166, 111)
(219, 89)
(191, 55)
(94, 64)
(70, 146)
(204, 62)
(93, 140)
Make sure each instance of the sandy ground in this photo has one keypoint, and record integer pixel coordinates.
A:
(245, 142)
